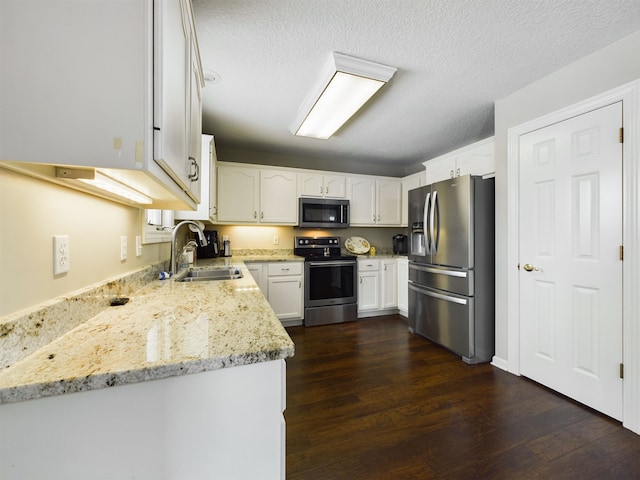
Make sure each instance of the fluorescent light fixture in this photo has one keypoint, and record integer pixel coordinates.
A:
(97, 179)
(345, 84)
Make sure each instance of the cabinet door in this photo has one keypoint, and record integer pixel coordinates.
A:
(335, 186)
(389, 284)
(238, 194)
(206, 210)
(285, 296)
(409, 183)
(310, 185)
(362, 192)
(171, 101)
(478, 160)
(368, 290)
(278, 197)
(440, 168)
(403, 286)
(388, 202)
(257, 272)
(196, 159)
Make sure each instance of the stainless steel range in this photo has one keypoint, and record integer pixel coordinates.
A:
(330, 281)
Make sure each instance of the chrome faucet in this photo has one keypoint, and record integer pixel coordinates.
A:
(174, 247)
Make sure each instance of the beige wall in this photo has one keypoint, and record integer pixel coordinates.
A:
(615, 65)
(32, 212)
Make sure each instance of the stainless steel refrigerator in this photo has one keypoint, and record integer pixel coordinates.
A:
(451, 265)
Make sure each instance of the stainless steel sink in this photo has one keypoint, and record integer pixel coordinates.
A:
(209, 274)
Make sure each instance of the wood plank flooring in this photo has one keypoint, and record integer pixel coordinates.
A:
(368, 400)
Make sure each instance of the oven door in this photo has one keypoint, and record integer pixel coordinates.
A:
(330, 282)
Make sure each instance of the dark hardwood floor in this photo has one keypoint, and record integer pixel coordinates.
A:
(368, 400)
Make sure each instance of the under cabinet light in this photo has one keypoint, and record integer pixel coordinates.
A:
(97, 179)
(344, 86)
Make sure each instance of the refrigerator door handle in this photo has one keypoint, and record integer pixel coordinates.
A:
(425, 223)
(440, 296)
(439, 271)
(434, 226)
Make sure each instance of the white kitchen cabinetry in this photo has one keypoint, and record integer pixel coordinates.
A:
(252, 195)
(238, 194)
(320, 185)
(368, 285)
(474, 159)
(119, 97)
(403, 286)
(286, 289)
(207, 208)
(409, 183)
(375, 201)
(278, 198)
(191, 426)
(283, 287)
(377, 286)
(389, 283)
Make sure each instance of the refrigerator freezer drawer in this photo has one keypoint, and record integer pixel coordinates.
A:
(449, 279)
(444, 318)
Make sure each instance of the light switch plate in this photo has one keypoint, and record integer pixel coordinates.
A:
(138, 245)
(61, 254)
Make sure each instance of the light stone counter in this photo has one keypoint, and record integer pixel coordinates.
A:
(166, 329)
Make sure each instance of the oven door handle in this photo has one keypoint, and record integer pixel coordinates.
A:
(338, 263)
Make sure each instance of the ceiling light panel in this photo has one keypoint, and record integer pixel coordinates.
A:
(344, 86)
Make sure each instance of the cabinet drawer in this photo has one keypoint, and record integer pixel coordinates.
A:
(284, 268)
(368, 265)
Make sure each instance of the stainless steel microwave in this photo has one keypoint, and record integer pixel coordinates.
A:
(323, 213)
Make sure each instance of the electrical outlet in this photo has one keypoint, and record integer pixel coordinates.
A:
(123, 247)
(138, 245)
(276, 240)
(61, 254)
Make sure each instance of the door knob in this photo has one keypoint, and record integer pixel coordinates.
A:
(530, 268)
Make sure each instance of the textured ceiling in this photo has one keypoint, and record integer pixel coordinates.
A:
(455, 58)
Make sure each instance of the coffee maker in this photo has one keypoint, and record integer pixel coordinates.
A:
(211, 250)
(400, 244)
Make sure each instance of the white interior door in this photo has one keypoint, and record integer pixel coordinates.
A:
(570, 229)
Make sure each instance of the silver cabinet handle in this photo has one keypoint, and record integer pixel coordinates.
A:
(255, 214)
(261, 215)
(451, 174)
(196, 174)
(457, 172)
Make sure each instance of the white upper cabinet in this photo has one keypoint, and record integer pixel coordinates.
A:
(475, 159)
(409, 183)
(375, 201)
(322, 185)
(207, 209)
(253, 195)
(106, 85)
(238, 194)
(278, 200)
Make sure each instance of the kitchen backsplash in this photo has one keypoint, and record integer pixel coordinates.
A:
(245, 238)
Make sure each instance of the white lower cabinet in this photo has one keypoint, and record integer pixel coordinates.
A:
(285, 292)
(389, 283)
(258, 274)
(283, 287)
(377, 286)
(184, 427)
(368, 285)
(403, 286)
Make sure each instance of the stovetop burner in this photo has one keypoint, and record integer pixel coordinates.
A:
(319, 248)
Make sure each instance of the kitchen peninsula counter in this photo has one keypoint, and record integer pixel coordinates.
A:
(166, 329)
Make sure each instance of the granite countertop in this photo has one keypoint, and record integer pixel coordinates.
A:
(167, 328)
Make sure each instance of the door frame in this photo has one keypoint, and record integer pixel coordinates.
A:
(629, 94)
